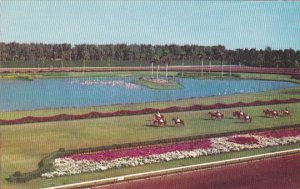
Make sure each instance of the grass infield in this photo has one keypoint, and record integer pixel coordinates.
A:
(23, 146)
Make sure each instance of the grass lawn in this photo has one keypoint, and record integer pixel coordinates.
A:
(51, 75)
(24, 145)
(152, 85)
(226, 75)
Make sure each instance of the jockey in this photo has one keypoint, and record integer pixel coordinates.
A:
(218, 113)
(241, 113)
(178, 119)
(158, 115)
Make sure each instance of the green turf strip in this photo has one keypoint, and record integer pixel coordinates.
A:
(23, 146)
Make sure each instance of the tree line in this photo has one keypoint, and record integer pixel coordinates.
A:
(144, 54)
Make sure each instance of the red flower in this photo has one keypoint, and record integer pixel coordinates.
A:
(243, 140)
(143, 151)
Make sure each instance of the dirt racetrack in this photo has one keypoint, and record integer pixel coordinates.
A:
(276, 173)
(215, 68)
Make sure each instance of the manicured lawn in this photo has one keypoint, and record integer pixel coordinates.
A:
(50, 75)
(24, 145)
(152, 85)
(226, 75)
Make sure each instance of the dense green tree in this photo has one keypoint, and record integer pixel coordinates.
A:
(22, 53)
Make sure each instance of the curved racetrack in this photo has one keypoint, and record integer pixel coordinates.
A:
(276, 173)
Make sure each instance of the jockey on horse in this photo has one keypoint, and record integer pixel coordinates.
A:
(238, 114)
(271, 113)
(216, 115)
(178, 121)
(285, 112)
(159, 120)
(247, 118)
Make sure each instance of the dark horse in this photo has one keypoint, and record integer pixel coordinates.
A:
(247, 118)
(271, 113)
(238, 114)
(179, 122)
(286, 112)
(216, 115)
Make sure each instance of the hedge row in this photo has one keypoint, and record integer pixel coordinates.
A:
(45, 164)
(65, 117)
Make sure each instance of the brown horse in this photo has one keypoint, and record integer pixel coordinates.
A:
(216, 115)
(247, 118)
(179, 122)
(271, 113)
(266, 112)
(160, 122)
(238, 114)
(285, 112)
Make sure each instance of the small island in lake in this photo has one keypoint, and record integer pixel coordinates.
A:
(159, 83)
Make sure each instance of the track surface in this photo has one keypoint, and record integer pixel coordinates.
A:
(288, 71)
(276, 173)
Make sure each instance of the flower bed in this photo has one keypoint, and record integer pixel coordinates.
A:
(143, 151)
(243, 140)
(130, 157)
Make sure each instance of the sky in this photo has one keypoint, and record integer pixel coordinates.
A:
(235, 24)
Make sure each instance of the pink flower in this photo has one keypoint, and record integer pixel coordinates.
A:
(243, 140)
(143, 151)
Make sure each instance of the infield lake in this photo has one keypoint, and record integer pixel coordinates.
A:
(82, 92)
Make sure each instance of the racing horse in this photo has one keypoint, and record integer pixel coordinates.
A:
(216, 115)
(285, 112)
(247, 118)
(238, 114)
(178, 121)
(271, 113)
(160, 122)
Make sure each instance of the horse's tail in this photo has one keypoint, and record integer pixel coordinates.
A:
(182, 122)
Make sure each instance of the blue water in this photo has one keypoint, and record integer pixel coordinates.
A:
(82, 92)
